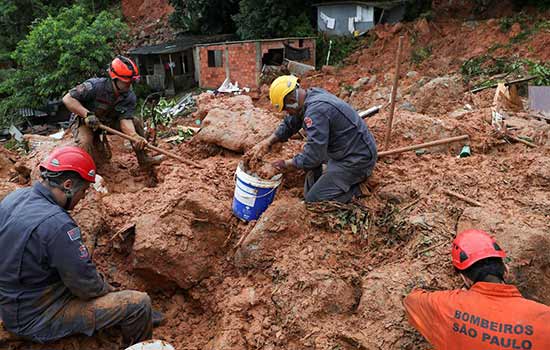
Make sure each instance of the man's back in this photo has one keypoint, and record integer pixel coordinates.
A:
(489, 316)
(44, 263)
(348, 135)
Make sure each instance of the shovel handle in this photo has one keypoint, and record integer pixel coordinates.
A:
(151, 147)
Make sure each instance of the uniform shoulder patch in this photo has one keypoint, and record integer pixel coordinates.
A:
(308, 122)
(84, 87)
(74, 233)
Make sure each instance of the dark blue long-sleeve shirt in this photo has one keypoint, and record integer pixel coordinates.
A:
(44, 263)
(334, 131)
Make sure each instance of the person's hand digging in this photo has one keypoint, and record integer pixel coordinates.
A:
(257, 151)
(140, 142)
(282, 166)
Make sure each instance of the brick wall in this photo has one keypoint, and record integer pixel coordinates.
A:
(242, 62)
(309, 43)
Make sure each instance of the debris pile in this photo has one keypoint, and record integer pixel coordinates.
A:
(327, 277)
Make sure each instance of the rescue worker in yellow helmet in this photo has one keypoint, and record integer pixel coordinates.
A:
(336, 136)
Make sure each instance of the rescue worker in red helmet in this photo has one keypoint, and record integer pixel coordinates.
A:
(49, 286)
(489, 314)
(111, 102)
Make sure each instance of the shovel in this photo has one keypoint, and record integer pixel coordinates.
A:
(151, 147)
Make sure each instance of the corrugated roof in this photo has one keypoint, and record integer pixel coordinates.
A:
(381, 4)
(255, 40)
(180, 44)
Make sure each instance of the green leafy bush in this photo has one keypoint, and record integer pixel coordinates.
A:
(539, 70)
(270, 19)
(59, 52)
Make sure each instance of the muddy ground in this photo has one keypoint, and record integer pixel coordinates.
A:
(298, 280)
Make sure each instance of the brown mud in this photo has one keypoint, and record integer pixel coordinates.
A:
(288, 280)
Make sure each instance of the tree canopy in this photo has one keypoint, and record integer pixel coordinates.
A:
(59, 52)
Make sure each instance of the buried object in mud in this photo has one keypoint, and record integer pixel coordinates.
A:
(464, 198)
(151, 345)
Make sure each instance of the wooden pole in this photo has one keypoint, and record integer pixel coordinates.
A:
(393, 92)
(517, 139)
(464, 198)
(508, 83)
(423, 145)
(154, 148)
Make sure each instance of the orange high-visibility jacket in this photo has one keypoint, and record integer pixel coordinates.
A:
(488, 316)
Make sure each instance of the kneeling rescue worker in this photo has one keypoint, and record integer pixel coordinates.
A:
(336, 135)
(109, 101)
(49, 286)
(488, 315)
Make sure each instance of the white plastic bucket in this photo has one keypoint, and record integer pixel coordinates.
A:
(253, 195)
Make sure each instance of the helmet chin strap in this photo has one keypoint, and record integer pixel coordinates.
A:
(295, 104)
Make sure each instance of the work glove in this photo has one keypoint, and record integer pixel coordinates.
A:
(140, 142)
(91, 121)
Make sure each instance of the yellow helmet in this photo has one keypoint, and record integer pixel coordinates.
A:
(281, 87)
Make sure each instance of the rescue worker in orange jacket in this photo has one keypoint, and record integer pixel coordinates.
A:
(489, 315)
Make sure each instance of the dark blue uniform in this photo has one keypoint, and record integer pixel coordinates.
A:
(49, 286)
(335, 135)
(98, 96)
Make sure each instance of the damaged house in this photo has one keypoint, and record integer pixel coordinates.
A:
(347, 18)
(207, 62)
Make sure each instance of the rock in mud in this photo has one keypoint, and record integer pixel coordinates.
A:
(283, 220)
(237, 125)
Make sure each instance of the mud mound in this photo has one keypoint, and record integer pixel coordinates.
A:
(179, 242)
(152, 9)
(411, 128)
(538, 173)
(438, 94)
(523, 244)
(7, 160)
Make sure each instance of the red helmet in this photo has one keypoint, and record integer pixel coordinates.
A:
(124, 69)
(472, 245)
(73, 159)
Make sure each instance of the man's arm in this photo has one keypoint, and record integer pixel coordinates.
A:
(80, 93)
(74, 105)
(127, 127)
(70, 257)
(425, 313)
(288, 127)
